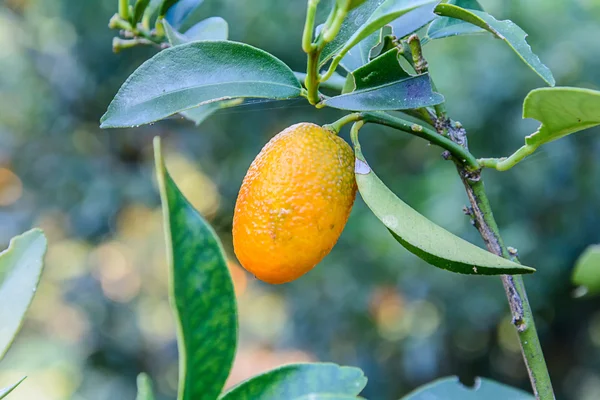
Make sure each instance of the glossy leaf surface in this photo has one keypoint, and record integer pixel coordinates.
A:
(198, 73)
(507, 30)
(414, 20)
(562, 111)
(587, 270)
(201, 293)
(423, 237)
(445, 26)
(452, 389)
(21, 267)
(300, 380)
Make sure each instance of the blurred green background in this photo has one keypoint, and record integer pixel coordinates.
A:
(101, 313)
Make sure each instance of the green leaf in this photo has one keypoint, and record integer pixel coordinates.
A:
(452, 389)
(445, 26)
(178, 13)
(6, 391)
(297, 380)
(384, 85)
(201, 293)
(355, 18)
(507, 30)
(165, 6)
(214, 28)
(200, 114)
(198, 73)
(562, 111)
(144, 386)
(139, 9)
(21, 266)
(414, 20)
(387, 12)
(421, 236)
(587, 270)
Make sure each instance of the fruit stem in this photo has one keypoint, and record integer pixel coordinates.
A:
(337, 125)
(460, 153)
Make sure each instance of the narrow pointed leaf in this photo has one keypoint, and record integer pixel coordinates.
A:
(587, 270)
(297, 380)
(452, 389)
(201, 293)
(144, 387)
(408, 93)
(421, 236)
(6, 391)
(507, 30)
(355, 18)
(562, 111)
(21, 266)
(178, 13)
(198, 73)
(349, 4)
(445, 26)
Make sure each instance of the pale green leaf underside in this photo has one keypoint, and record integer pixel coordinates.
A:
(387, 12)
(445, 27)
(328, 396)
(144, 387)
(6, 391)
(562, 111)
(200, 114)
(587, 270)
(424, 238)
(21, 266)
(297, 380)
(198, 73)
(213, 28)
(201, 294)
(507, 30)
(452, 389)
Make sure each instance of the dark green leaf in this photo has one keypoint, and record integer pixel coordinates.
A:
(6, 391)
(200, 114)
(21, 266)
(421, 236)
(201, 293)
(165, 6)
(214, 28)
(446, 26)
(387, 12)
(381, 71)
(354, 19)
(144, 387)
(587, 270)
(198, 73)
(297, 380)
(139, 9)
(414, 20)
(409, 93)
(180, 11)
(562, 111)
(452, 389)
(505, 30)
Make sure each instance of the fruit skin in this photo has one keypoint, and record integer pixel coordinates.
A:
(293, 203)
